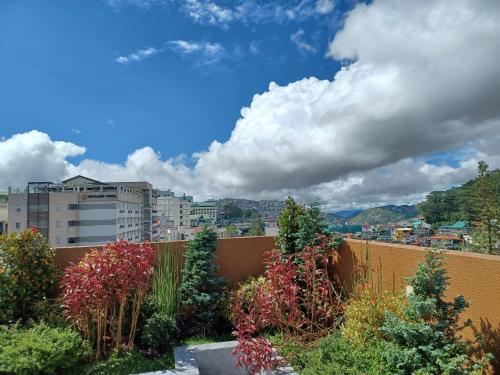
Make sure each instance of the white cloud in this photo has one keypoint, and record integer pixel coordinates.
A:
(34, 156)
(297, 39)
(138, 55)
(324, 6)
(208, 12)
(254, 47)
(204, 53)
(423, 78)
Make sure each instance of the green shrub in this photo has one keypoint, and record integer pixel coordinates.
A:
(335, 355)
(201, 292)
(41, 350)
(125, 363)
(27, 273)
(159, 333)
(247, 290)
(51, 312)
(365, 315)
(426, 340)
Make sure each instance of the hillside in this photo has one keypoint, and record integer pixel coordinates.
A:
(344, 214)
(455, 203)
(384, 214)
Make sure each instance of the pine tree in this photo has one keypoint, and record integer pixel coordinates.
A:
(311, 225)
(425, 341)
(289, 226)
(257, 227)
(487, 210)
(201, 291)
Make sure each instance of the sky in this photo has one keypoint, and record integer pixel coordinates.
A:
(355, 104)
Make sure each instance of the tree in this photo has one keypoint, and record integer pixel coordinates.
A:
(426, 340)
(201, 291)
(311, 225)
(258, 227)
(288, 224)
(230, 210)
(232, 231)
(487, 211)
(248, 212)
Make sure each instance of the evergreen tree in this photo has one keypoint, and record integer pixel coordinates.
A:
(487, 212)
(288, 224)
(201, 291)
(425, 341)
(311, 224)
(257, 227)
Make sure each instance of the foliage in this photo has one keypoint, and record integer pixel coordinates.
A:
(257, 227)
(201, 291)
(128, 362)
(41, 350)
(311, 224)
(27, 273)
(426, 340)
(98, 290)
(232, 231)
(335, 354)
(487, 213)
(230, 210)
(166, 279)
(289, 226)
(365, 315)
(159, 332)
(457, 203)
(248, 212)
(297, 298)
(50, 312)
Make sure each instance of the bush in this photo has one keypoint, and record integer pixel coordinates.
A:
(127, 362)
(50, 312)
(334, 355)
(98, 290)
(365, 315)
(159, 333)
(426, 340)
(201, 292)
(297, 298)
(41, 350)
(288, 227)
(27, 273)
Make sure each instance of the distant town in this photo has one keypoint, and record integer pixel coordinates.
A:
(81, 211)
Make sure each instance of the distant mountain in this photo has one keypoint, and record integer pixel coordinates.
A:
(385, 214)
(344, 214)
(269, 209)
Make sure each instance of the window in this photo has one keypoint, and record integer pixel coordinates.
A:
(18, 225)
(58, 207)
(18, 209)
(58, 223)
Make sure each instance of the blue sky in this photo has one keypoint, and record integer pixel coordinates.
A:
(59, 72)
(353, 103)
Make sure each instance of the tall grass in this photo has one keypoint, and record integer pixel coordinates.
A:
(167, 278)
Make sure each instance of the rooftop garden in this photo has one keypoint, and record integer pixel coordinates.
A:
(124, 306)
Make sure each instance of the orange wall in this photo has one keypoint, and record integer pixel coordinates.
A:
(476, 276)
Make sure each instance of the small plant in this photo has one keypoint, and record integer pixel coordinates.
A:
(201, 292)
(158, 333)
(288, 227)
(426, 340)
(335, 354)
(28, 271)
(98, 290)
(166, 279)
(41, 350)
(297, 299)
(365, 315)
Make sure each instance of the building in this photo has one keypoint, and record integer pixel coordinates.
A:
(82, 211)
(204, 213)
(447, 241)
(175, 215)
(3, 212)
(457, 229)
(402, 234)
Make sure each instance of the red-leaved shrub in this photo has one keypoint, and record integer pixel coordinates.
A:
(297, 298)
(99, 289)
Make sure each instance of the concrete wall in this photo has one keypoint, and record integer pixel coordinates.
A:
(476, 276)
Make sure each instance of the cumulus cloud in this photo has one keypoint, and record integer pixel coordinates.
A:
(420, 78)
(33, 156)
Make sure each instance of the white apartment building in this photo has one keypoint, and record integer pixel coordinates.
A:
(204, 212)
(3, 212)
(80, 211)
(174, 213)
